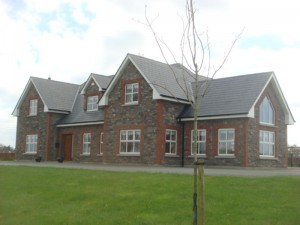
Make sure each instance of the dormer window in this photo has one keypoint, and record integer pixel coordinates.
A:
(33, 107)
(92, 103)
(131, 93)
(266, 115)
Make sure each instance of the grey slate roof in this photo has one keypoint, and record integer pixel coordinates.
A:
(102, 80)
(56, 95)
(78, 115)
(230, 96)
(163, 78)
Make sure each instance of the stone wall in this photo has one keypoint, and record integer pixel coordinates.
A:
(280, 129)
(150, 116)
(27, 125)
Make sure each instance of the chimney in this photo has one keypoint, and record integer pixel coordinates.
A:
(49, 78)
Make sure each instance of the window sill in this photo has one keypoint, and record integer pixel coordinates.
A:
(199, 156)
(29, 153)
(85, 154)
(32, 115)
(131, 104)
(267, 124)
(268, 157)
(171, 155)
(129, 154)
(225, 156)
(100, 154)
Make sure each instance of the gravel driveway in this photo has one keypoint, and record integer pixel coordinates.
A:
(208, 170)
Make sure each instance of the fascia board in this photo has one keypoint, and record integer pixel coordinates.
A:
(289, 119)
(80, 124)
(217, 117)
(21, 99)
(104, 100)
(88, 81)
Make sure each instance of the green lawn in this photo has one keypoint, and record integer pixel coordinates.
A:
(31, 195)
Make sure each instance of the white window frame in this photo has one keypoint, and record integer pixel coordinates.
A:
(31, 144)
(92, 103)
(266, 143)
(226, 141)
(101, 144)
(199, 141)
(266, 112)
(33, 107)
(86, 143)
(171, 142)
(132, 93)
(130, 139)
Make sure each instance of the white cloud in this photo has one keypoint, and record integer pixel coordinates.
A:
(67, 40)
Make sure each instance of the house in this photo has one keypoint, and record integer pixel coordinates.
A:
(142, 115)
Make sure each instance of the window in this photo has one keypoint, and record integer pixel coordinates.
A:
(266, 112)
(226, 141)
(86, 144)
(130, 141)
(101, 143)
(131, 93)
(33, 107)
(201, 142)
(266, 143)
(92, 103)
(31, 143)
(171, 136)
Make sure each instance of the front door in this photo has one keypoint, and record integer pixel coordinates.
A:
(67, 146)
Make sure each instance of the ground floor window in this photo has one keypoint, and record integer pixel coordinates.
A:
(31, 143)
(130, 141)
(171, 137)
(266, 143)
(226, 141)
(201, 142)
(86, 143)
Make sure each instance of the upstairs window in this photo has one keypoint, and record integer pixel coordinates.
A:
(171, 136)
(131, 93)
(31, 144)
(92, 103)
(201, 142)
(226, 141)
(266, 112)
(33, 107)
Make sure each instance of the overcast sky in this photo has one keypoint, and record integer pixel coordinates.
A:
(69, 39)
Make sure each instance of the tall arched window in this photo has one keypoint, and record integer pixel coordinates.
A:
(266, 114)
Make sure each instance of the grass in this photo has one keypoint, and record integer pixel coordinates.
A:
(30, 195)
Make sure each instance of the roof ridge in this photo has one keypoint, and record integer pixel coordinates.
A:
(47, 79)
(244, 75)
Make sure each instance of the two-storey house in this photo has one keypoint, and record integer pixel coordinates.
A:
(143, 115)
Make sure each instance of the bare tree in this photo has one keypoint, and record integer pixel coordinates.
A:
(196, 54)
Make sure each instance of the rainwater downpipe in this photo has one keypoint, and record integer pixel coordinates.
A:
(182, 141)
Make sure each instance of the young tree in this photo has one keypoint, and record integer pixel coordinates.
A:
(195, 53)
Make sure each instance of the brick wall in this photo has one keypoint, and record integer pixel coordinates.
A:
(77, 145)
(212, 128)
